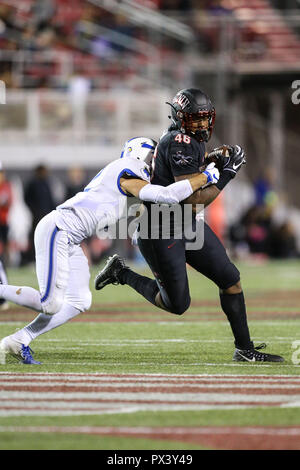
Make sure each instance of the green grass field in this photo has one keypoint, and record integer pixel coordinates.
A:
(122, 334)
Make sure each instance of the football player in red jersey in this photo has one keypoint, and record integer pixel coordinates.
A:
(179, 155)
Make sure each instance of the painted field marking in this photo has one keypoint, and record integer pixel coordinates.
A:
(91, 395)
(129, 409)
(104, 376)
(70, 383)
(175, 364)
(262, 430)
(127, 342)
(155, 396)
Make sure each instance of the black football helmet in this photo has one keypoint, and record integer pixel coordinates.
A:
(189, 107)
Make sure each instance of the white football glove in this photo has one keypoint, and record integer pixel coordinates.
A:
(212, 174)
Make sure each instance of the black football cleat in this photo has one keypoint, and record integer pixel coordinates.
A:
(254, 355)
(109, 274)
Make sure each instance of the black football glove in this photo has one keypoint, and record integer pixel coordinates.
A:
(228, 158)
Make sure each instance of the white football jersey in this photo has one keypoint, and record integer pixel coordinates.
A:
(102, 202)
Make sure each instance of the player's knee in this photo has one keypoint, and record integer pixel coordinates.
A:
(230, 279)
(180, 307)
(53, 305)
(87, 301)
(234, 289)
(82, 302)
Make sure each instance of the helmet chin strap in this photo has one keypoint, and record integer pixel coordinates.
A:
(203, 133)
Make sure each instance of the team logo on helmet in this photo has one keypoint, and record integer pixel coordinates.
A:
(182, 100)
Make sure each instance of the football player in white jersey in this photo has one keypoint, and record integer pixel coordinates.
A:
(61, 266)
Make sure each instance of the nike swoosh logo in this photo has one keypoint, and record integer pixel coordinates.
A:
(172, 244)
(235, 167)
(246, 358)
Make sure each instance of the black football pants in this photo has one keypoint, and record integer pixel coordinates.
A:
(167, 259)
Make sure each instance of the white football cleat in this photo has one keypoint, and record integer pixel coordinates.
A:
(9, 345)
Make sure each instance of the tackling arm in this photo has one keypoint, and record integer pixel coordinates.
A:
(203, 196)
(172, 194)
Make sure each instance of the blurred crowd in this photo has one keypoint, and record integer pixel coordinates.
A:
(265, 228)
(23, 203)
(105, 43)
(256, 232)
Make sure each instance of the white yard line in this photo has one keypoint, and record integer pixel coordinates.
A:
(134, 408)
(22, 402)
(178, 431)
(184, 364)
(7, 379)
(151, 396)
(69, 383)
(151, 376)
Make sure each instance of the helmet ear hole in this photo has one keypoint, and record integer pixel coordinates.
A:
(179, 114)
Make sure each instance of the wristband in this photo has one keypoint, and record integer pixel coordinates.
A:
(224, 179)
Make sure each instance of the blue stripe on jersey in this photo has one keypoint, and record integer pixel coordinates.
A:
(50, 271)
(130, 172)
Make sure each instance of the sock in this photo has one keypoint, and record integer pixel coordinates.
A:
(25, 296)
(234, 307)
(145, 286)
(43, 323)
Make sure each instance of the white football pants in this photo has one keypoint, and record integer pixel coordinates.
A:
(61, 267)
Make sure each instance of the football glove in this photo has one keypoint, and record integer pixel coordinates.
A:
(228, 158)
(212, 173)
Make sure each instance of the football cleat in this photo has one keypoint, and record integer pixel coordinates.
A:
(19, 351)
(109, 274)
(254, 355)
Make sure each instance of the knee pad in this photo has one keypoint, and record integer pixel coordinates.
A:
(178, 307)
(82, 301)
(230, 275)
(181, 307)
(53, 304)
(87, 301)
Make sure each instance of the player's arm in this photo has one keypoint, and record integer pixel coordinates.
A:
(145, 191)
(229, 160)
(203, 196)
(172, 194)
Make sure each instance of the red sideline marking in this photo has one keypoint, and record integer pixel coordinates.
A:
(229, 438)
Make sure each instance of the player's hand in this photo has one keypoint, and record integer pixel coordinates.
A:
(212, 173)
(228, 158)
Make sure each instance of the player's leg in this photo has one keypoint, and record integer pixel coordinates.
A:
(76, 300)
(166, 259)
(52, 263)
(3, 281)
(23, 295)
(3, 262)
(52, 269)
(213, 262)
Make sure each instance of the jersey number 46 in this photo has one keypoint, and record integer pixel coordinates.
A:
(183, 138)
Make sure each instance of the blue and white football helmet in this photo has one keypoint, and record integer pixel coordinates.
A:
(140, 148)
